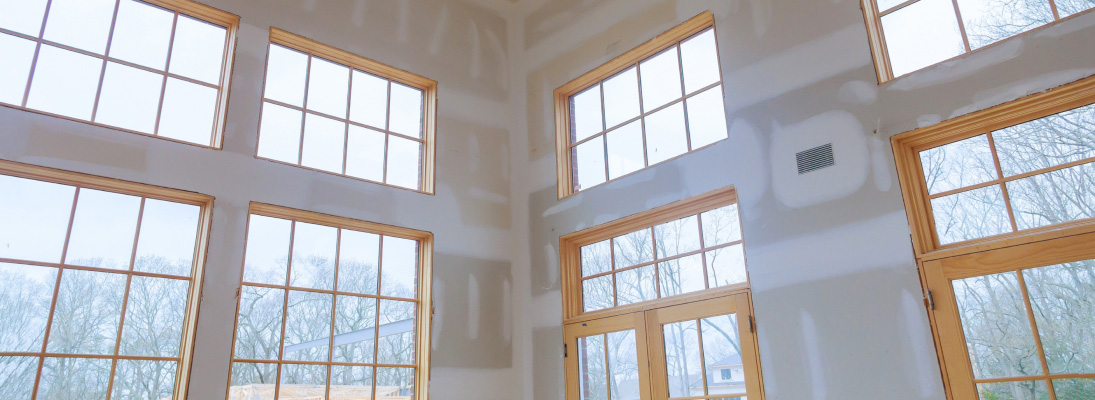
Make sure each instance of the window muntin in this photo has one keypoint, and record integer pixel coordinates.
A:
(331, 111)
(100, 285)
(308, 278)
(911, 35)
(157, 68)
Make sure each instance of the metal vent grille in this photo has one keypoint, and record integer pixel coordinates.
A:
(814, 159)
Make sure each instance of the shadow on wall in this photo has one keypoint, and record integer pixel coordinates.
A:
(472, 327)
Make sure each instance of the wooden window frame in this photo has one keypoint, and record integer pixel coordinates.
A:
(562, 95)
(310, 47)
(423, 299)
(189, 8)
(196, 279)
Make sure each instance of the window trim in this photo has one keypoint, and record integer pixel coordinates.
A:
(624, 61)
(428, 86)
(197, 275)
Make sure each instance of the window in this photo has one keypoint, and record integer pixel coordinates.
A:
(99, 285)
(157, 68)
(331, 111)
(725, 373)
(331, 307)
(651, 104)
(909, 35)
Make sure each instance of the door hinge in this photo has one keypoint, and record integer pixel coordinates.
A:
(931, 300)
(564, 350)
(752, 328)
(237, 293)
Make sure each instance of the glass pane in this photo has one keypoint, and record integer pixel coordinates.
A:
(700, 57)
(286, 71)
(168, 236)
(142, 34)
(596, 258)
(33, 218)
(258, 329)
(922, 34)
(143, 380)
(266, 258)
(404, 162)
(65, 83)
(355, 333)
(677, 237)
(726, 266)
(682, 359)
(665, 134)
(682, 275)
(661, 79)
(884, 5)
(14, 71)
(129, 98)
(323, 141)
(406, 110)
(585, 114)
(635, 285)
(957, 165)
(365, 154)
(253, 381)
(591, 367)
(328, 87)
(721, 225)
(154, 317)
(1053, 198)
(369, 100)
(623, 366)
(396, 333)
(303, 382)
(994, 319)
(89, 307)
(23, 16)
(351, 382)
(358, 258)
(18, 373)
(1074, 389)
(987, 22)
(706, 118)
(198, 50)
(1065, 313)
(589, 163)
(1066, 8)
(722, 356)
(970, 215)
(74, 378)
(633, 248)
(279, 135)
(394, 383)
(188, 112)
(308, 326)
(27, 292)
(625, 150)
(103, 230)
(1047, 142)
(621, 97)
(597, 293)
(1030, 390)
(400, 268)
(83, 24)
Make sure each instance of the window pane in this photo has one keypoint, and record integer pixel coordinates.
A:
(722, 356)
(33, 218)
(621, 97)
(1029, 390)
(365, 154)
(994, 319)
(369, 100)
(394, 383)
(1053, 198)
(188, 112)
(358, 258)
(700, 57)
(406, 110)
(74, 378)
(27, 292)
(313, 256)
(682, 275)
(308, 326)
(661, 79)
(328, 87)
(18, 376)
(633, 248)
(706, 118)
(303, 381)
(142, 34)
(597, 293)
(83, 24)
(585, 114)
(625, 150)
(884, 5)
(682, 359)
(404, 162)
(1074, 389)
(591, 367)
(89, 306)
(1065, 313)
(922, 34)
(323, 141)
(399, 268)
(957, 165)
(396, 332)
(279, 137)
(14, 71)
(677, 237)
(103, 230)
(143, 380)
(987, 22)
(589, 163)
(253, 381)
(65, 83)
(351, 382)
(596, 258)
(198, 50)
(635, 285)
(665, 134)
(726, 266)
(286, 71)
(168, 236)
(970, 215)
(258, 329)
(355, 329)
(721, 225)
(154, 317)
(129, 98)
(267, 256)
(623, 366)
(1047, 142)
(23, 16)
(1068, 7)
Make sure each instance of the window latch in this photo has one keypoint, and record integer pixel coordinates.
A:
(564, 350)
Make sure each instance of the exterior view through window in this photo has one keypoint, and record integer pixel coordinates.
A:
(159, 70)
(98, 286)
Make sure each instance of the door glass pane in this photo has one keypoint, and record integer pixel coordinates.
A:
(623, 366)
(997, 328)
(1026, 390)
(1064, 309)
(591, 368)
(722, 356)
(682, 359)
(1074, 389)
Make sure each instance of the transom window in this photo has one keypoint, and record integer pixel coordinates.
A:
(331, 308)
(99, 285)
(909, 35)
(332, 111)
(156, 68)
(654, 103)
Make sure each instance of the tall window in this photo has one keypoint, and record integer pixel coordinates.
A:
(331, 308)
(909, 35)
(653, 103)
(156, 68)
(333, 111)
(99, 285)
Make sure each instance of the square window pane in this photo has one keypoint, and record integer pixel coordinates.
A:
(89, 307)
(1054, 197)
(83, 24)
(142, 34)
(188, 112)
(286, 71)
(589, 163)
(726, 266)
(597, 293)
(74, 378)
(358, 258)
(706, 118)
(922, 34)
(406, 110)
(625, 150)
(394, 383)
(65, 83)
(399, 268)
(154, 317)
(1066, 8)
(720, 354)
(665, 134)
(633, 248)
(365, 154)
(591, 366)
(623, 365)
(103, 230)
(251, 381)
(1025, 390)
(143, 380)
(970, 215)
(994, 319)
(681, 275)
(987, 22)
(369, 100)
(198, 50)
(15, 69)
(396, 333)
(355, 329)
(585, 114)
(700, 57)
(404, 162)
(19, 374)
(596, 258)
(313, 256)
(266, 259)
(279, 134)
(661, 79)
(1063, 308)
(721, 225)
(1074, 389)
(1046, 142)
(635, 285)
(957, 165)
(328, 87)
(33, 218)
(621, 97)
(308, 326)
(324, 139)
(169, 234)
(129, 98)
(303, 381)
(682, 359)
(677, 237)
(23, 16)
(351, 382)
(27, 292)
(258, 325)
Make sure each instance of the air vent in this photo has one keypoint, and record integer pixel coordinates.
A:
(814, 159)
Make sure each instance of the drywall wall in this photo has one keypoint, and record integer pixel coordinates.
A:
(836, 291)
(462, 46)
